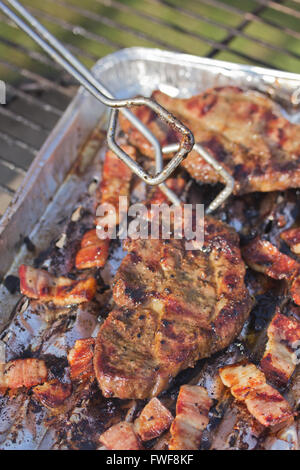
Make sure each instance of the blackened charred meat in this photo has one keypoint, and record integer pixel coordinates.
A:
(53, 393)
(292, 238)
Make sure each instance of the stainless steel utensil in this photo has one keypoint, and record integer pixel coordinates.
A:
(62, 56)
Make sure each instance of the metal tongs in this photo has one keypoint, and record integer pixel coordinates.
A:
(72, 65)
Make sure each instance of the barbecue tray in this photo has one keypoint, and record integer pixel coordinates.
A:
(50, 190)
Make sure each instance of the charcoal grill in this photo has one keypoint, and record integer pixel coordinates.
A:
(261, 32)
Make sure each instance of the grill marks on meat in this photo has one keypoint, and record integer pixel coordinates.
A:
(192, 407)
(292, 239)
(264, 257)
(279, 360)
(39, 284)
(244, 132)
(121, 436)
(154, 419)
(53, 394)
(175, 307)
(80, 358)
(248, 384)
(93, 252)
(22, 373)
(124, 363)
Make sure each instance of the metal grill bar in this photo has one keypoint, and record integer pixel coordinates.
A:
(20, 119)
(33, 101)
(35, 77)
(217, 46)
(38, 91)
(279, 7)
(251, 17)
(42, 57)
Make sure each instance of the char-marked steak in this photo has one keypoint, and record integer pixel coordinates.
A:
(174, 307)
(244, 131)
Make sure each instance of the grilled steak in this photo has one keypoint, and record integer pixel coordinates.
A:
(174, 307)
(243, 130)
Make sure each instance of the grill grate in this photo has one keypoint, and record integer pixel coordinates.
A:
(262, 32)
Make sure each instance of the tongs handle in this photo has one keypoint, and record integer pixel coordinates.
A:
(61, 55)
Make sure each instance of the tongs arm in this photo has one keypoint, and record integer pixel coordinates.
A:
(75, 68)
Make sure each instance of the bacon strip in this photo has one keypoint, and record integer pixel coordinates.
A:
(80, 358)
(93, 252)
(121, 436)
(22, 373)
(292, 238)
(53, 393)
(192, 407)
(248, 384)
(153, 420)
(39, 284)
(264, 257)
(116, 177)
(278, 362)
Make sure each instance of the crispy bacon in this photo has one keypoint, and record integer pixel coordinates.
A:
(53, 393)
(116, 177)
(248, 384)
(121, 436)
(278, 362)
(80, 358)
(39, 284)
(264, 257)
(192, 407)
(292, 238)
(153, 420)
(93, 252)
(22, 373)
